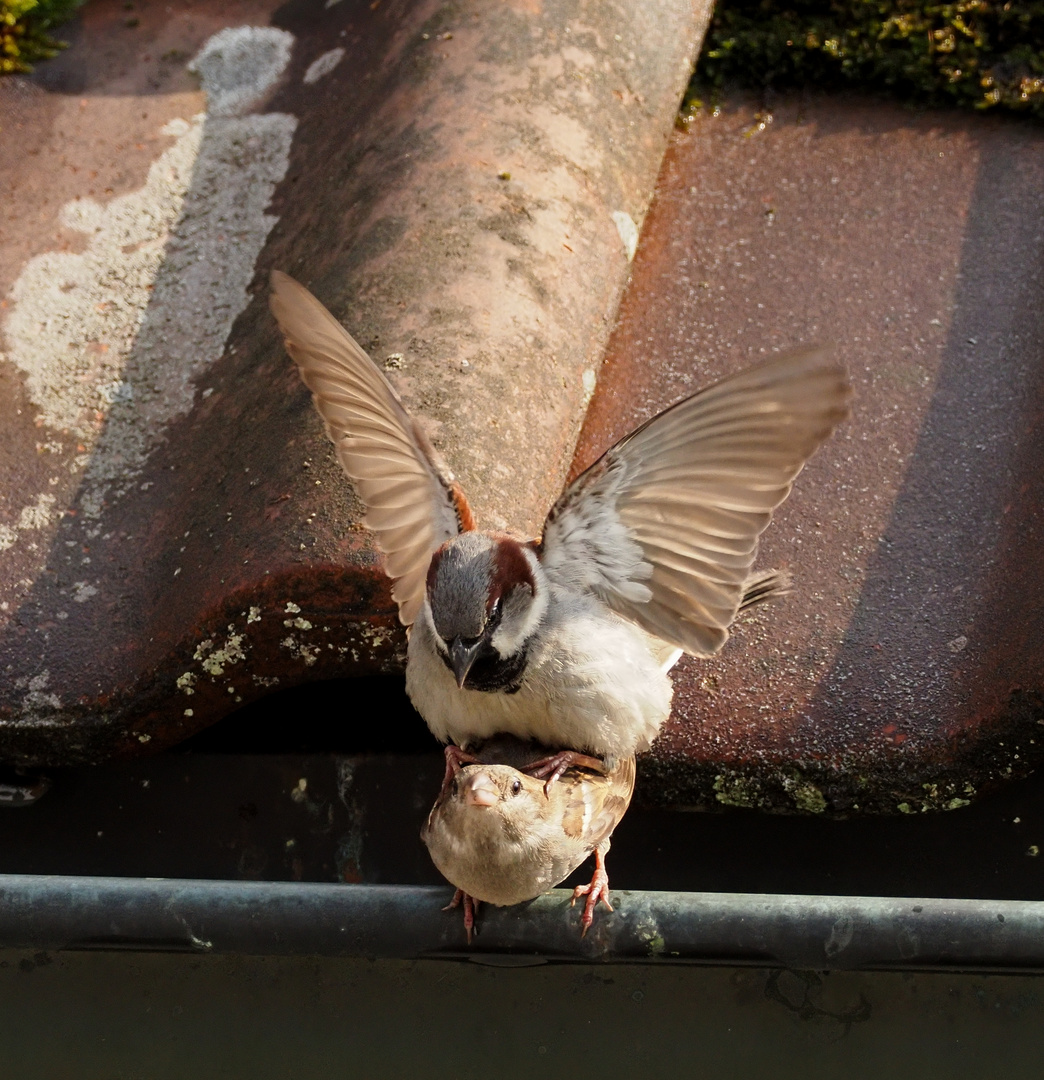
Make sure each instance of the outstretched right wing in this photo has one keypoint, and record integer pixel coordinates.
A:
(664, 526)
(412, 502)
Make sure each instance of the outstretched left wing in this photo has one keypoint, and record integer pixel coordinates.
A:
(412, 502)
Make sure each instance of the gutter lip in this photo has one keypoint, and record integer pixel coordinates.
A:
(812, 932)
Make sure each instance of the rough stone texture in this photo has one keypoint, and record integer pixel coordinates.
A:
(905, 673)
(175, 536)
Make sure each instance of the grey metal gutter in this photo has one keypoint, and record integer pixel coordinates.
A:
(279, 918)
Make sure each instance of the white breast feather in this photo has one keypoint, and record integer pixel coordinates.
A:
(591, 683)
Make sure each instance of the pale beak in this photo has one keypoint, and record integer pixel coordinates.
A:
(479, 790)
(462, 657)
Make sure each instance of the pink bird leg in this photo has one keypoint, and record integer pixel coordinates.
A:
(597, 891)
(553, 766)
(471, 906)
(455, 758)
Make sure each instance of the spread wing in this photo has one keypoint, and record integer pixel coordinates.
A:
(664, 527)
(412, 502)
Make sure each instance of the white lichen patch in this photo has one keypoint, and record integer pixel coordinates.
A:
(301, 624)
(299, 650)
(589, 380)
(292, 608)
(254, 615)
(37, 515)
(186, 682)
(374, 635)
(214, 660)
(38, 700)
(239, 65)
(628, 231)
(323, 65)
(82, 591)
(111, 339)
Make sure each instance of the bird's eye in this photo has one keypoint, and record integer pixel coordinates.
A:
(516, 787)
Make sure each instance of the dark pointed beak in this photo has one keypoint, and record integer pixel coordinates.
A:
(462, 657)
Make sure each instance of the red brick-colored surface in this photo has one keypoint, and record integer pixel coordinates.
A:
(449, 195)
(905, 672)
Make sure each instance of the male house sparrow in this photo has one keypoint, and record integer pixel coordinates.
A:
(567, 640)
(496, 835)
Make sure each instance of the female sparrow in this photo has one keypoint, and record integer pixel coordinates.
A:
(498, 837)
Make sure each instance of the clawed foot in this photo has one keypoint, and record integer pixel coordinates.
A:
(471, 906)
(597, 891)
(455, 759)
(552, 767)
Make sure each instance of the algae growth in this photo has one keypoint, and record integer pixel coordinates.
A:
(980, 54)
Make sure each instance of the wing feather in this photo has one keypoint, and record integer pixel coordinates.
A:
(411, 501)
(664, 527)
(714, 521)
(680, 539)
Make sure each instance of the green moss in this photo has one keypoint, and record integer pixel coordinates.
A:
(656, 945)
(24, 26)
(938, 796)
(808, 798)
(981, 54)
(734, 789)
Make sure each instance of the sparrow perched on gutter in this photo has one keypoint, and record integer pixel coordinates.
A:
(567, 640)
(499, 838)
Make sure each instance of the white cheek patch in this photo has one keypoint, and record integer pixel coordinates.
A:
(523, 612)
(522, 616)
